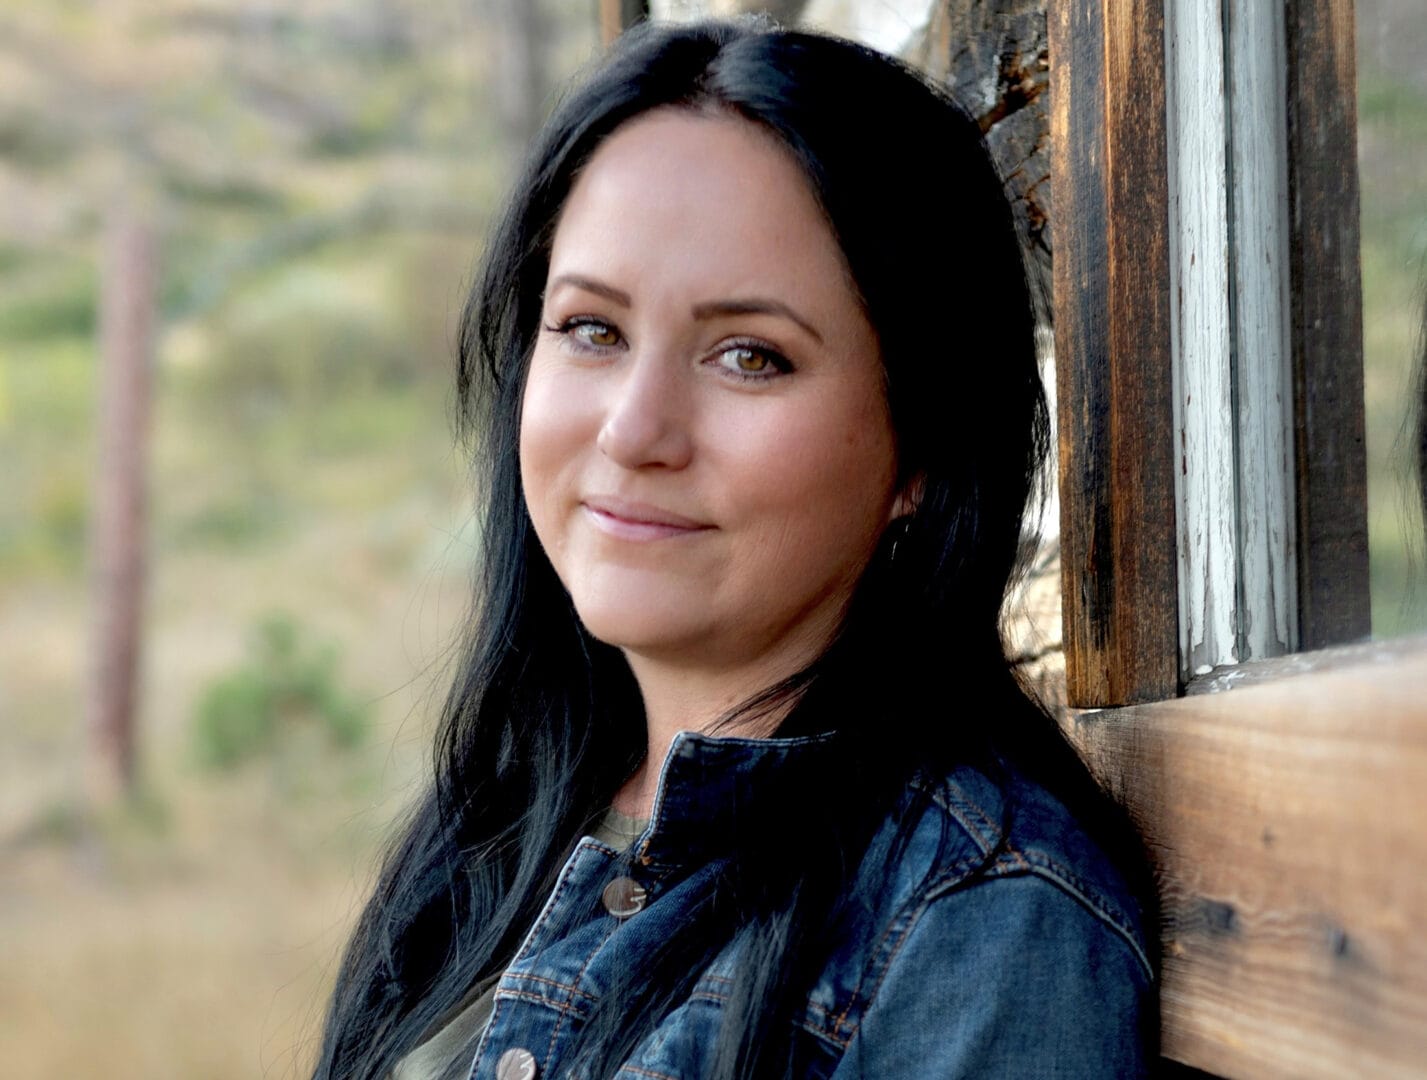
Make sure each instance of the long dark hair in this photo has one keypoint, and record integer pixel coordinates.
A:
(544, 723)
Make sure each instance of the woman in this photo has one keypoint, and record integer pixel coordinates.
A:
(735, 780)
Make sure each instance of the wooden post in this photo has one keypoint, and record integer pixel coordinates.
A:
(128, 288)
(617, 16)
(1327, 323)
(1112, 344)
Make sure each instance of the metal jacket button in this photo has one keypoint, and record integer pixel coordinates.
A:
(624, 897)
(517, 1063)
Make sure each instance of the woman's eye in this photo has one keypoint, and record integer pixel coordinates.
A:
(752, 362)
(599, 334)
(587, 333)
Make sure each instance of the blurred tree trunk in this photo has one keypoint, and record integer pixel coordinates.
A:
(521, 77)
(128, 298)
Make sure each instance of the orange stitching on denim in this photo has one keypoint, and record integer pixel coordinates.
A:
(523, 977)
(1043, 866)
(823, 1030)
(823, 1033)
(984, 832)
(950, 878)
(823, 1009)
(538, 999)
(561, 887)
(891, 959)
(555, 1032)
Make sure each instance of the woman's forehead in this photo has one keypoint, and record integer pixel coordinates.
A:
(678, 191)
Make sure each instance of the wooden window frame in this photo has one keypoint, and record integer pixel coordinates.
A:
(1287, 818)
(1119, 285)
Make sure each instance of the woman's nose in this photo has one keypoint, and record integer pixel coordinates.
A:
(645, 423)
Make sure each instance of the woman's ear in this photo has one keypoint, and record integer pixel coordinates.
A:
(909, 497)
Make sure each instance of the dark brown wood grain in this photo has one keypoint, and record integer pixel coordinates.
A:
(1327, 324)
(995, 59)
(1112, 340)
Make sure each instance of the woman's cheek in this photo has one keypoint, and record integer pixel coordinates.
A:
(549, 441)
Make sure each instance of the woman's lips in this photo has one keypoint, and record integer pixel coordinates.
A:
(627, 520)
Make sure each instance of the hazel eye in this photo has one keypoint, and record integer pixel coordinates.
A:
(601, 335)
(585, 333)
(751, 362)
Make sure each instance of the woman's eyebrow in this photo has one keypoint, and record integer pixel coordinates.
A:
(589, 284)
(753, 306)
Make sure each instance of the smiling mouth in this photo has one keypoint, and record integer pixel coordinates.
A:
(638, 521)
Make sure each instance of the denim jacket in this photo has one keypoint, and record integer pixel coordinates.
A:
(1035, 966)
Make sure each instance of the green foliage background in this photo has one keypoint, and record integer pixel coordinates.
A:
(318, 174)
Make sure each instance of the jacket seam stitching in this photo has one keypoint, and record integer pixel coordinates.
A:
(1017, 861)
(546, 915)
(522, 977)
(956, 802)
(538, 999)
(913, 917)
(822, 1030)
(1052, 872)
(907, 922)
(565, 1013)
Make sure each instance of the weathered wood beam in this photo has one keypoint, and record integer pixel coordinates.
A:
(1112, 343)
(1286, 822)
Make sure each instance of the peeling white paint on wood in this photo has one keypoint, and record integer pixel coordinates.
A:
(1200, 332)
(1230, 330)
(1268, 616)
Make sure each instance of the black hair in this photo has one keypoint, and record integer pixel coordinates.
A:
(544, 723)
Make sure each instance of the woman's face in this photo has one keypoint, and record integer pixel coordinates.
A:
(705, 446)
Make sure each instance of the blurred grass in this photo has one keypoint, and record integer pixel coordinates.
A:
(318, 177)
(196, 935)
(301, 460)
(1393, 165)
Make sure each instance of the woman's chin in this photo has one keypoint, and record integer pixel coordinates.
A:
(639, 631)
(647, 612)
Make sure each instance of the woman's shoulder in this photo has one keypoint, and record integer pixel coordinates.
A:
(994, 932)
(972, 831)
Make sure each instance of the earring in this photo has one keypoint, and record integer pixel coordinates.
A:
(903, 526)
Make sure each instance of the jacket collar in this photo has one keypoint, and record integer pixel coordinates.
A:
(713, 787)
